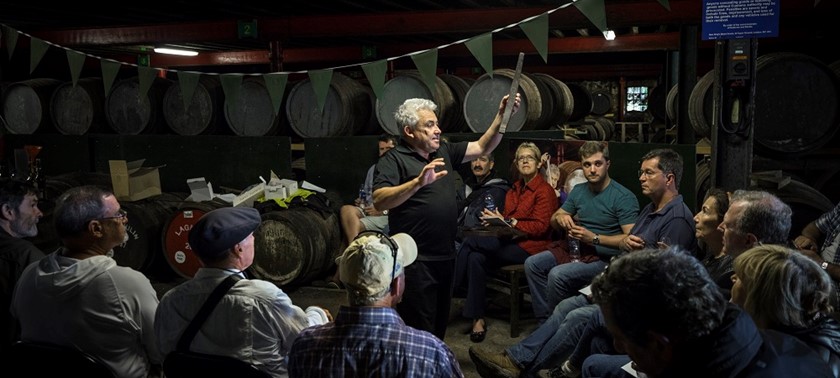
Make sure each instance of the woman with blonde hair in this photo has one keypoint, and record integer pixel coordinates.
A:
(786, 291)
(529, 204)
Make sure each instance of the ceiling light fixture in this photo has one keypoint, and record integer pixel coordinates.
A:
(171, 51)
(609, 35)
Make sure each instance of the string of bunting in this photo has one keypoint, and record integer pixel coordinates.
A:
(481, 47)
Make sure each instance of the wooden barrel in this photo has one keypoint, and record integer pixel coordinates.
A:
(347, 109)
(143, 250)
(700, 105)
(176, 245)
(410, 84)
(582, 102)
(129, 113)
(703, 180)
(605, 125)
(294, 246)
(482, 101)
(204, 115)
(459, 88)
(26, 106)
(79, 109)
(559, 96)
(253, 113)
(797, 104)
(672, 105)
(602, 102)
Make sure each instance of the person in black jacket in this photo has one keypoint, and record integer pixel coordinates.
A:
(786, 291)
(19, 216)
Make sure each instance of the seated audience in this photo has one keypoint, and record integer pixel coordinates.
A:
(78, 297)
(819, 241)
(667, 314)
(754, 217)
(254, 321)
(368, 338)
(528, 208)
(481, 180)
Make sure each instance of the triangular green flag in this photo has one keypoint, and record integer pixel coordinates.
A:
(482, 49)
(110, 69)
(320, 81)
(145, 76)
(187, 81)
(276, 85)
(594, 11)
(231, 86)
(37, 50)
(76, 60)
(668, 6)
(537, 32)
(10, 36)
(375, 73)
(426, 63)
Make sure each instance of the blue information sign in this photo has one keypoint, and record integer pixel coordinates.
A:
(736, 19)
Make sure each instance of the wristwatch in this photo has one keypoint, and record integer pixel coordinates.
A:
(596, 240)
(824, 265)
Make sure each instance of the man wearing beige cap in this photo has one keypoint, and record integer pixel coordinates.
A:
(254, 321)
(368, 337)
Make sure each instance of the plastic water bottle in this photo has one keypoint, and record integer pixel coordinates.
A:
(363, 196)
(489, 203)
(574, 249)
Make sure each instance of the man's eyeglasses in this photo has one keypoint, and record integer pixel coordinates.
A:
(523, 159)
(384, 239)
(647, 174)
(120, 215)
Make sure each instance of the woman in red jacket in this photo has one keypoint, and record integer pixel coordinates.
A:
(528, 208)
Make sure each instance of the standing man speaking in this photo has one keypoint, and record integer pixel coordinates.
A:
(412, 183)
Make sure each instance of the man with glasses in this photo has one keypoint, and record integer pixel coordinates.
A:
(78, 297)
(19, 216)
(413, 183)
(368, 338)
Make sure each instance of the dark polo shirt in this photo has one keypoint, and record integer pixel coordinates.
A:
(430, 216)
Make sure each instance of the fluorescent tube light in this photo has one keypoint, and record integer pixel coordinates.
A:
(170, 51)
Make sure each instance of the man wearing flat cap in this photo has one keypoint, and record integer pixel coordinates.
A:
(368, 337)
(255, 321)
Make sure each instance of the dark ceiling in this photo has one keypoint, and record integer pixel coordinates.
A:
(294, 35)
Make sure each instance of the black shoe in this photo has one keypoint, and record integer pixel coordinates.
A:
(478, 336)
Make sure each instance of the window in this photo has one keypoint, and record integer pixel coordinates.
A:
(637, 99)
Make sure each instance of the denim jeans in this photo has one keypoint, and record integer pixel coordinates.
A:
(605, 366)
(553, 341)
(551, 283)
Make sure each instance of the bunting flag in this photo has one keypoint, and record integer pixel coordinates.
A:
(276, 85)
(231, 86)
(110, 69)
(188, 81)
(76, 61)
(537, 31)
(426, 63)
(10, 36)
(37, 49)
(594, 11)
(668, 6)
(145, 76)
(320, 81)
(482, 49)
(375, 73)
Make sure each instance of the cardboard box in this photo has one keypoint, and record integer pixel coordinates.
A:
(132, 181)
(275, 192)
(248, 197)
(200, 190)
